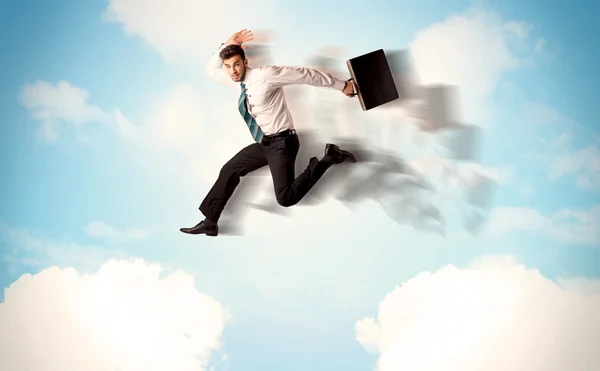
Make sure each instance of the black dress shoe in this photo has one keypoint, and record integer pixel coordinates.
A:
(338, 155)
(204, 227)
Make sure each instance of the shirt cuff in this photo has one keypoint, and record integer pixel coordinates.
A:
(339, 84)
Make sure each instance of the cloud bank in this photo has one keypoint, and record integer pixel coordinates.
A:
(128, 316)
(183, 30)
(493, 315)
(471, 51)
(575, 226)
(54, 104)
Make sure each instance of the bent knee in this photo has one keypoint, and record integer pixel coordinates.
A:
(285, 201)
(232, 171)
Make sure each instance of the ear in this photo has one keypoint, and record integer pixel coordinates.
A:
(245, 62)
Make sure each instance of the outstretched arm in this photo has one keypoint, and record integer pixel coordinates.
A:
(278, 76)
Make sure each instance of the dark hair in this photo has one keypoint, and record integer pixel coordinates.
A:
(231, 51)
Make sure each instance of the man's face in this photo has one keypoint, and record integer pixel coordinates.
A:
(236, 67)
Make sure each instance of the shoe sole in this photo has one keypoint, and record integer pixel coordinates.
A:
(211, 234)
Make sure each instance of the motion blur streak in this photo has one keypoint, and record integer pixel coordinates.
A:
(416, 158)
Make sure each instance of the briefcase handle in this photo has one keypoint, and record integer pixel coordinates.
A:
(350, 79)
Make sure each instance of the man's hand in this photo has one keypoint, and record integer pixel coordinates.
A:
(240, 37)
(349, 89)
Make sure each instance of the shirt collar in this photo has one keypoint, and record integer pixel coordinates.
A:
(247, 76)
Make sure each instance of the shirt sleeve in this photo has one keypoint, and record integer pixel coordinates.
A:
(278, 76)
(214, 69)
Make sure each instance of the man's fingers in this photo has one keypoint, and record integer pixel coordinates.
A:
(245, 33)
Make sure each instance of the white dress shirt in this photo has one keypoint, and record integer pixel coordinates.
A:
(264, 90)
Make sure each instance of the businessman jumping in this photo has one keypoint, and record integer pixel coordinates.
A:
(263, 107)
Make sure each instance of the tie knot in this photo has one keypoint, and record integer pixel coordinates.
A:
(242, 85)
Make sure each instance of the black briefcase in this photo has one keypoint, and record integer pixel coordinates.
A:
(373, 80)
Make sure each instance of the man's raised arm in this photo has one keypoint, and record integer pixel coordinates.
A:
(214, 68)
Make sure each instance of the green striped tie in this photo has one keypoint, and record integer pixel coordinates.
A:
(257, 134)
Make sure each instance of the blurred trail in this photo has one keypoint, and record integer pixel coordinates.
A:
(415, 159)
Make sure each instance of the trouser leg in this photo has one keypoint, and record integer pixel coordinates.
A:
(281, 157)
(248, 159)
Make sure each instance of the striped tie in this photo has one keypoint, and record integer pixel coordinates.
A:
(257, 134)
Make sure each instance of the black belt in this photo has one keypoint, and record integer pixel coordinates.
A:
(285, 133)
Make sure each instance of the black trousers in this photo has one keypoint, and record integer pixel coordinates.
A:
(280, 154)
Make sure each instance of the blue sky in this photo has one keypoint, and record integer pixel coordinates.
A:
(139, 134)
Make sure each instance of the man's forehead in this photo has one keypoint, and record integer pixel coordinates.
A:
(233, 60)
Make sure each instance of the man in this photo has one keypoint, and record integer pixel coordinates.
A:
(263, 107)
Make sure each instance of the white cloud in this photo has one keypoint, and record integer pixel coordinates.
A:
(551, 121)
(519, 29)
(100, 229)
(556, 147)
(178, 129)
(540, 45)
(186, 130)
(583, 164)
(184, 120)
(570, 226)
(53, 103)
(37, 251)
(176, 121)
(477, 49)
(184, 30)
(494, 315)
(583, 285)
(470, 51)
(173, 121)
(509, 219)
(127, 316)
(544, 48)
